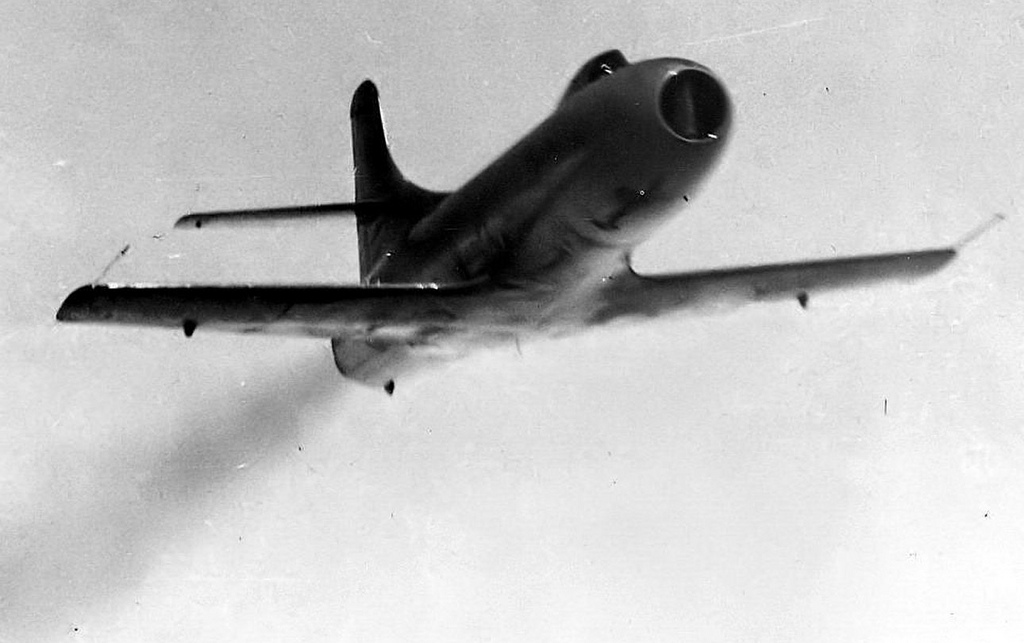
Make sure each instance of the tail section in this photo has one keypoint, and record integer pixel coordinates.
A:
(376, 175)
(383, 229)
(383, 234)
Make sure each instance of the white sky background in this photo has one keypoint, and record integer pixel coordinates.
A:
(710, 479)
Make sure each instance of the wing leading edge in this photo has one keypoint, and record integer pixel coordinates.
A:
(316, 311)
(635, 294)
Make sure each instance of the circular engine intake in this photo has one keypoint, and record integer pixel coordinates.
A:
(694, 106)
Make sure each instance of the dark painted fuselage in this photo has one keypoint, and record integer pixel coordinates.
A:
(559, 211)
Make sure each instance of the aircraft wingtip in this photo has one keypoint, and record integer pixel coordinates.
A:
(76, 305)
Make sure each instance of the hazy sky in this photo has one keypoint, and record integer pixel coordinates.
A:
(853, 472)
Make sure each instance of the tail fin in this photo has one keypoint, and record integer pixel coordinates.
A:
(382, 235)
(376, 175)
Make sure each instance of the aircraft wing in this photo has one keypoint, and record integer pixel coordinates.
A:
(276, 216)
(316, 311)
(634, 294)
(416, 310)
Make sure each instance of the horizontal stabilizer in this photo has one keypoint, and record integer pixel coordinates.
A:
(279, 216)
(315, 311)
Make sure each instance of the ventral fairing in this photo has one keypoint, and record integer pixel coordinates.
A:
(537, 243)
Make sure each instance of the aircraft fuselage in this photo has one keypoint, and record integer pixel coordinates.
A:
(560, 210)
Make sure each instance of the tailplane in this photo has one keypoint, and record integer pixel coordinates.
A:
(382, 234)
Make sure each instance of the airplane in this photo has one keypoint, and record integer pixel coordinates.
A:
(538, 243)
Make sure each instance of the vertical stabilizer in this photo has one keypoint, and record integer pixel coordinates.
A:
(383, 234)
(376, 175)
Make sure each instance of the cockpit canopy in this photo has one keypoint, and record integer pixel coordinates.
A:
(598, 67)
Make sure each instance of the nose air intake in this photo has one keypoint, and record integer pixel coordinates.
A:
(694, 106)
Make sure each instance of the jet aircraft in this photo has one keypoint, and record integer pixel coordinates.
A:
(537, 243)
